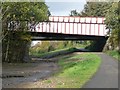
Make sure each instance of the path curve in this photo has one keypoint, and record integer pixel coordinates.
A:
(107, 74)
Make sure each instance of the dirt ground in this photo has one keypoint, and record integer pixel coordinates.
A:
(21, 75)
(14, 75)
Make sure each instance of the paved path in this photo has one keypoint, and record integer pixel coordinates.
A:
(107, 74)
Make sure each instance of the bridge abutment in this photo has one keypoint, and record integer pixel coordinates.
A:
(15, 48)
(97, 45)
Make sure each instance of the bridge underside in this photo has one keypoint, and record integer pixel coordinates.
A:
(60, 36)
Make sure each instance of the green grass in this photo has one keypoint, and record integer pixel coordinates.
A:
(75, 70)
(114, 54)
(53, 52)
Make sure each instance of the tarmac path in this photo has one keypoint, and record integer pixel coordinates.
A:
(107, 74)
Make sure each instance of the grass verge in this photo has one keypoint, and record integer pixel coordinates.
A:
(76, 70)
(114, 54)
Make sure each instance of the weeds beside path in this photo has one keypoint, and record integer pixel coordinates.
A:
(114, 54)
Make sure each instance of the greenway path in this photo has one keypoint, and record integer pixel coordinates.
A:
(107, 74)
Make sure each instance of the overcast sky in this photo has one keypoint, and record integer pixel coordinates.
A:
(63, 7)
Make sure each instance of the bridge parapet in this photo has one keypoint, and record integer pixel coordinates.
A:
(68, 19)
(93, 26)
(74, 25)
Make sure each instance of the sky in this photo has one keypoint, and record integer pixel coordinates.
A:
(63, 7)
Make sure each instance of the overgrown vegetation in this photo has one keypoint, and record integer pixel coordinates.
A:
(112, 22)
(76, 70)
(48, 47)
(15, 19)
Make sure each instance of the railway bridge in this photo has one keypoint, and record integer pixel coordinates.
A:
(67, 27)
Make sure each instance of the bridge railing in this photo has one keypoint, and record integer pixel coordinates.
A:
(65, 25)
(72, 28)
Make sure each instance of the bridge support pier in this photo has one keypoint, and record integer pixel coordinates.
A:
(27, 57)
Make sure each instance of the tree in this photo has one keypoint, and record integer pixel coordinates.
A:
(74, 13)
(95, 9)
(113, 22)
(16, 44)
